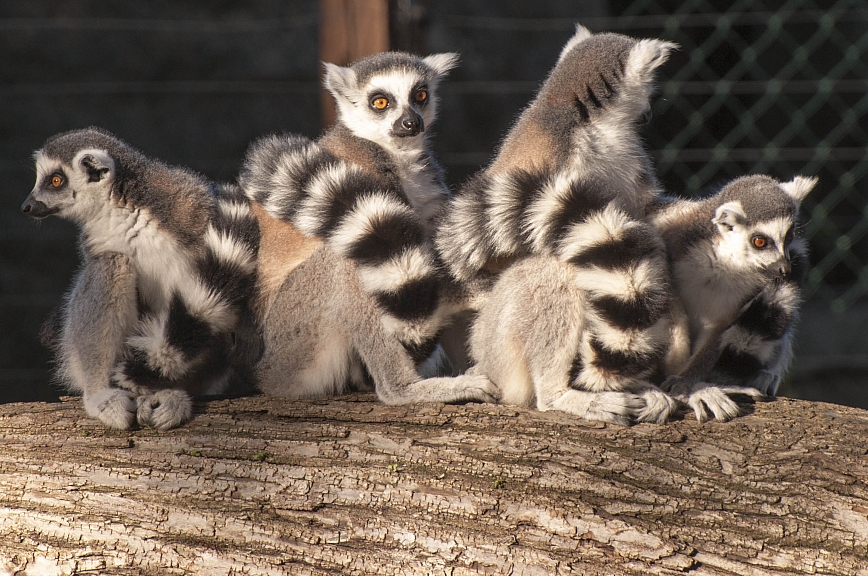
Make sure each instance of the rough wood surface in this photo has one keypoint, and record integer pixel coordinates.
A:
(350, 486)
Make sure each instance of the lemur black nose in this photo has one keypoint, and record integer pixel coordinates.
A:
(781, 269)
(35, 208)
(409, 124)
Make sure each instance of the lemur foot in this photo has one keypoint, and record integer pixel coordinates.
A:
(164, 409)
(659, 407)
(614, 407)
(113, 407)
(714, 401)
(450, 390)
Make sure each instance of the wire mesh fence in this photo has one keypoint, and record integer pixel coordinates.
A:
(768, 86)
(779, 88)
(758, 86)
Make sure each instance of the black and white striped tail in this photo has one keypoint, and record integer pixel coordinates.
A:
(360, 218)
(192, 339)
(620, 262)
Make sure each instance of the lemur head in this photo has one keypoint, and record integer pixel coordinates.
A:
(75, 172)
(755, 221)
(389, 98)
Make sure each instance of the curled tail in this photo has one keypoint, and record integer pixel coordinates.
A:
(506, 215)
(191, 343)
(620, 262)
(621, 265)
(361, 218)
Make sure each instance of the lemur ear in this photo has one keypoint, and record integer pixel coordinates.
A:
(338, 80)
(580, 36)
(646, 56)
(728, 216)
(441, 63)
(97, 164)
(799, 187)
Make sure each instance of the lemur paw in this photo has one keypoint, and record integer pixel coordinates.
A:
(766, 382)
(619, 408)
(114, 407)
(659, 407)
(476, 388)
(714, 401)
(164, 409)
(452, 390)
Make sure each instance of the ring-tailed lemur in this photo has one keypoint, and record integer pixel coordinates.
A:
(154, 313)
(584, 322)
(370, 293)
(737, 263)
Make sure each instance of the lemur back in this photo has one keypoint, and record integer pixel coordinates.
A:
(738, 262)
(158, 310)
(368, 190)
(561, 209)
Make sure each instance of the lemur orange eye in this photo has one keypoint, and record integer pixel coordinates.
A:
(380, 103)
(420, 96)
(57, 181)
(759, 241)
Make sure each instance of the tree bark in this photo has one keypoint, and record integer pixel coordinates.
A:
(349, 486)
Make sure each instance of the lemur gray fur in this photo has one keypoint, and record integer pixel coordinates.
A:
(738, 263)
(580, 320)
(168, 265)
(349, 279)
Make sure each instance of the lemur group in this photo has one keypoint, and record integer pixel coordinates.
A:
(561, 276)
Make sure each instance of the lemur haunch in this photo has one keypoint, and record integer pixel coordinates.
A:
(168, 263)
(738, 263)
(348, 274)
(581, 321)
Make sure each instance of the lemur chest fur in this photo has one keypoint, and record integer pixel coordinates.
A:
(712, 292)
(161, 264)
(420, 185)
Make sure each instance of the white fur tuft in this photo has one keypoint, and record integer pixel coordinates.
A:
(442, 63)
(580, 36)
(799, 187)
(339, 80)
(646, 56)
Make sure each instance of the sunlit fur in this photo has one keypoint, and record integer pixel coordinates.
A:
(742, 301)
(168, 264)
(588, 315)
(371, 296)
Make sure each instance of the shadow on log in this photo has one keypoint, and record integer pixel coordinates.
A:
(350, 486)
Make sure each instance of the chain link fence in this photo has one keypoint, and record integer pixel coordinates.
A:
(758, 86)
(778, 88)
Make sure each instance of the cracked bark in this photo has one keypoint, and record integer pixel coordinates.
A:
(349, 486)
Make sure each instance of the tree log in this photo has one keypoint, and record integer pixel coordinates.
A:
(349, 486)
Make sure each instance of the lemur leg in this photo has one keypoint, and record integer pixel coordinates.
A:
(690, 385)
(526, 339)
(395, 376)
(100, 313)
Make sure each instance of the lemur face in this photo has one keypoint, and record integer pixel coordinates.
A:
(70, 190)
(762, 246)
(389, 98)
(758, 231)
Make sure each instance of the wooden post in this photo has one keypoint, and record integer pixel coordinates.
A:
(349, 30)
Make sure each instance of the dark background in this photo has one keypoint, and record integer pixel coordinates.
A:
(773, 87)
